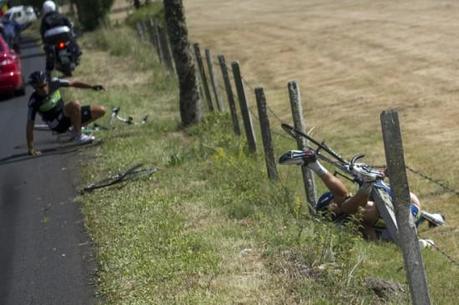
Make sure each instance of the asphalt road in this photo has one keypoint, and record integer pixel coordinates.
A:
(45, 254)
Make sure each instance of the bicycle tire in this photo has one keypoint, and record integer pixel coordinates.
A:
(140, 173)
(296, 133)
(132, 173)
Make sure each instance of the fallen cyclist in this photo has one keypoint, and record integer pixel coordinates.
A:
(340, 203)
(46, 100)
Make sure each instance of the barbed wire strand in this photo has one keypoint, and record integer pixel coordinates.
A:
(438, 182)
(442, 252)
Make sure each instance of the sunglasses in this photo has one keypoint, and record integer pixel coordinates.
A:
(42, 86)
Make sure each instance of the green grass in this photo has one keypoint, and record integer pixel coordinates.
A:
(209, 227)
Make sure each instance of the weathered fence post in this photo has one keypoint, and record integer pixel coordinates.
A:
(407, 237)
(229, 94)
(205, 84)
(248, 126)
(143, 26)
(167, 52)
(198, 75)
(298, 121)
(158, 43)
(154, 38)
(152, 26)
(266, 134)
(213, 80)
(138, 26)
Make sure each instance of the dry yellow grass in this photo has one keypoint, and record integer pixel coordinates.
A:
(353, 59)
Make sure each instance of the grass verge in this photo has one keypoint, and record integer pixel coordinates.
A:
(209, 228)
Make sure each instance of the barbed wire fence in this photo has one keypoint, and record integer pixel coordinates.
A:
(151, 31)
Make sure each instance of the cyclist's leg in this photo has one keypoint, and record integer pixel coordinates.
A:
(360, 200)
(91, 113)
(72, 110)
(370, 217)
(336, 187)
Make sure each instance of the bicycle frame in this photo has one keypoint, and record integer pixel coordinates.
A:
(380, 193)
(129, 120)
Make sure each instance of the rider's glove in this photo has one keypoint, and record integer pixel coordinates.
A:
(365, 173)
(98, 88)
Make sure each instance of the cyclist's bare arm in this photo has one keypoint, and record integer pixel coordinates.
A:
(29, 136)
(82, 85)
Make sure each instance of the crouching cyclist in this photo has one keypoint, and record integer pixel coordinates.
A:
(47, 101)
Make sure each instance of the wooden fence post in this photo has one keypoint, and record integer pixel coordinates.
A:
(248, 126)
(298, 121)
(408, 240)
(266, 134)
(143, 26)
(140, 30)
(229, 94)
(152, 25)
(198, 75)
(167, 52)
(213, 80)
(158, 43)
(205, 84)
(154, 38)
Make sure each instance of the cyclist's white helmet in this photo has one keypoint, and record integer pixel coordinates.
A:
(48, 6)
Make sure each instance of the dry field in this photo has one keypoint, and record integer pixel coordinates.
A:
(353, 59)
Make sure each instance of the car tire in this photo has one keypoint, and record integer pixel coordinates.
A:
(21, 90)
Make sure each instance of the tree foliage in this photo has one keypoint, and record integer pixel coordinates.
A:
(92, 13)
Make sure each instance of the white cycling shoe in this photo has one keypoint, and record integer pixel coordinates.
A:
(83, 139)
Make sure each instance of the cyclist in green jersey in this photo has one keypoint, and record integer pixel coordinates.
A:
(46, 100)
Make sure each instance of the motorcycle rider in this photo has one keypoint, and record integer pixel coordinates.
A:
(51, 19)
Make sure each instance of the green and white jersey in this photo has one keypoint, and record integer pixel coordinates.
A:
(49, 107)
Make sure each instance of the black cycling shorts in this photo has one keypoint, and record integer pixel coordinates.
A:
(65, 122)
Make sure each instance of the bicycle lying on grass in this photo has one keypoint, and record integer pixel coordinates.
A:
(355, 171)
(129, 120)
(135, 172)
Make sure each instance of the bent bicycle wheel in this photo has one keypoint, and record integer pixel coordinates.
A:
(133, 173)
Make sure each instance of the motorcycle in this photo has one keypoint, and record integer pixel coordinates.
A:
(60, 50)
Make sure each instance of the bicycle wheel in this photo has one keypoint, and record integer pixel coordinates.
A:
(135, 172)
(139, 173)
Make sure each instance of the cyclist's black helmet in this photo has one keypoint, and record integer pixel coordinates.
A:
(37, 78)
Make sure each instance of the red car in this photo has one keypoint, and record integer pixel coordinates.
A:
(11, 79)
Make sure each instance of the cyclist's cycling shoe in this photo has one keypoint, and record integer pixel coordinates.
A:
(434, 219)
(299, 157)
(426, 243)
(84, 139)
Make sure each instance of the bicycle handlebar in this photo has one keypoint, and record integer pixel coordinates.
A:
(351, 168)
(295, 133)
